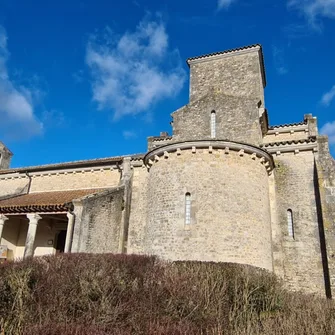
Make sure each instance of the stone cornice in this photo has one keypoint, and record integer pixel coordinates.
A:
(288, 129)
(23, 175)
(227, 146)
(291, 146)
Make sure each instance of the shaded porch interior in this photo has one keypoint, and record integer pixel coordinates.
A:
(49, 240)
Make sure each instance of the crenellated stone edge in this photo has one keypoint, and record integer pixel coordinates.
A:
(242, 149)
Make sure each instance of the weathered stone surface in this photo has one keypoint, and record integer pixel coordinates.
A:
(296, 192)
(5, 157)
(227, 223)
(98, 222)
(325, 177)
(236, 74)
(77, 180)
(237, 119)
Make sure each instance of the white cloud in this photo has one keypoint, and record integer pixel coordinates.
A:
(16, 108)
(278, 60)
(329, 129)
(129, 134)
(314, 10)
(134, 71)
(297, 30)
(224, 4)
(328, 97)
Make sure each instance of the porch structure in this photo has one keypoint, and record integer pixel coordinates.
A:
(36, 224)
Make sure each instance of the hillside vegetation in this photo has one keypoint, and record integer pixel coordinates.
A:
(116, 294)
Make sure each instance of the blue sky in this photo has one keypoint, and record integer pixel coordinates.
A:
(88, 79)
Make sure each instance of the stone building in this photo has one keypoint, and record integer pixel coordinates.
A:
(226, 186)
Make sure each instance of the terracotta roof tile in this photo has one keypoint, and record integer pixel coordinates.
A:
(57, 201)
(288, 125)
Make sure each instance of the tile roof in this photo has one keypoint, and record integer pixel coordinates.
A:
(288, 125)
(272, 144)
(74, 164)
(224, 52)
(58, 201)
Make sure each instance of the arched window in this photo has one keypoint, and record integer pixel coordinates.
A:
(213, 124)
(187, 208)
(290, 228)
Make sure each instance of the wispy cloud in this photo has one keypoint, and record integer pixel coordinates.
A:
(328, 97)
(314, 10)
(78, 76)
(224, 4)
(129, 134)
(297, 30)
(329, 129)
(16, 108)
(278, 60)
(53, 119)
(134, 71)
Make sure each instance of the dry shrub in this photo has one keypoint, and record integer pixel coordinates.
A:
(117, 294)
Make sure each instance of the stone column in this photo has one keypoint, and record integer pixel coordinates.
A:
(126, 180)
(30, 240)
(3, 219)
(69, 232)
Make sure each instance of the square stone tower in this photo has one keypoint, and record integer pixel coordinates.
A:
(226, 93)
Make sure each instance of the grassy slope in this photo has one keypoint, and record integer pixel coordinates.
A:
(116, 294)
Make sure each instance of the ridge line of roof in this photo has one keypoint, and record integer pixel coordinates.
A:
(225, 52)
(73, 164)
(288, 125)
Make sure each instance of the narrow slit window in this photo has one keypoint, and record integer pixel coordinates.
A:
(290, 227)
(213, 124)
(187, 208)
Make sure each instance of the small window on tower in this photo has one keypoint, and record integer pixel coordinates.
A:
(213, 124)
(290, 227)
(187, 208)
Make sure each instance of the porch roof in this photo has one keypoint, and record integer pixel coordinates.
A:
(57, 201)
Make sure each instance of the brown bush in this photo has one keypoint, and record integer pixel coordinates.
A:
(116, 294)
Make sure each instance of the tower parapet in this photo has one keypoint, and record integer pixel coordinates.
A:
(5, 157)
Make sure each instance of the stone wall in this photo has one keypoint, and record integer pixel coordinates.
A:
(326, 181)
(5, 157)
(303, 268)
(13, 186)
(237, 119)
(98, 221)
(276, 230)
(106, 177)
(59, 181)
(139, 211)
(230, 210)
(236, 74)
(286, 136)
